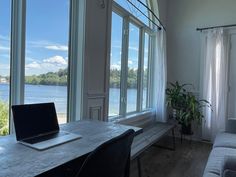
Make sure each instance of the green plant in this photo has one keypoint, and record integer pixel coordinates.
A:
(175, 95)
(191, 109)
(3, 118)
(188, 107)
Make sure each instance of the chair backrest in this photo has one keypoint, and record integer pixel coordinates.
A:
(111, 159)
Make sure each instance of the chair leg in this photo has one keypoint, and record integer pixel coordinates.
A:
(139, 167)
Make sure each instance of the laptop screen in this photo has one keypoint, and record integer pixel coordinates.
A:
(34, 119)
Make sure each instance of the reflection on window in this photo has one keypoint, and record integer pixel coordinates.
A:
(145, 72)
(46, 62)
(130, 8)
(5, 6)
(115, 65)
(133, 59)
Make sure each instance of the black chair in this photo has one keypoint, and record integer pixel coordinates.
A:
(111, 159)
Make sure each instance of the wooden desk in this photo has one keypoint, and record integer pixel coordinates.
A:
(17, 160)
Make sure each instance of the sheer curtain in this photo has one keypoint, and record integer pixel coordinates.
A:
(214, 81)
(160, 76)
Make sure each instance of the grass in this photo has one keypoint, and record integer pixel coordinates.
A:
(4, 114)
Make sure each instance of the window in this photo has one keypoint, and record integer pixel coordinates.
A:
(133, 60)
(46, 62)
(130, 60)
(5, 6)
(39, 42)
(115, 63)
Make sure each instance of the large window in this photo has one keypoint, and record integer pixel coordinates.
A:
(115, 63)
(130, 60)
(5, 12)
(133, 60)
(46, 61)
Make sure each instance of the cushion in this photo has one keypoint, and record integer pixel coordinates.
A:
(229, 166)
(216, 160)
(210, 175)
(229, 173)
(225, 140)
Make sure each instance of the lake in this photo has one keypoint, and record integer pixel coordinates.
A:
(58, 95)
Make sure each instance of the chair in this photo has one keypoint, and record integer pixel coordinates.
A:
(111, 159)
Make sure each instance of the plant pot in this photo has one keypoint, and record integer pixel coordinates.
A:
(186, 130)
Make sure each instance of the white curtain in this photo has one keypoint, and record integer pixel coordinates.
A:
(160, 76)
(214, 80)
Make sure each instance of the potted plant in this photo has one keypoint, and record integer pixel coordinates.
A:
(188, 107)
(175, 97)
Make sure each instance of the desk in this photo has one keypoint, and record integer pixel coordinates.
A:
(17, 160)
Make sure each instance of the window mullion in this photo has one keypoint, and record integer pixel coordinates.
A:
(76, 55)
(124, 67)
(149, 73)
(140, 70)
(17, 55)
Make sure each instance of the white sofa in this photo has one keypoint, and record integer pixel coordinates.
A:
(222, 159)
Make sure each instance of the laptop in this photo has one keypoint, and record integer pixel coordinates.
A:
(36, 126)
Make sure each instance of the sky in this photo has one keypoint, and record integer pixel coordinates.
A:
(47, 34)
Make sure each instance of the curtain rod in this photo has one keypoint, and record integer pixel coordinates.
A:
(146, 15)
(150, 10)
(213, 27)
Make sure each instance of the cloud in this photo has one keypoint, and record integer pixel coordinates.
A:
(57, 47)
(33, 65)
(3, 48)
(115, 66)
(130, 62)
(51, 64)
(56, 60)
(5, 38)
(5, 56)
(4, 69)
(48, 45)
(133, 48)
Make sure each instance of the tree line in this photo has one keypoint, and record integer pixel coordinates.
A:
(60, 78)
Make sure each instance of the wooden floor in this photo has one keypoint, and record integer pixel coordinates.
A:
(188, 160)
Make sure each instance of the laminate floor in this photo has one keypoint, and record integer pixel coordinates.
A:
(188, 160)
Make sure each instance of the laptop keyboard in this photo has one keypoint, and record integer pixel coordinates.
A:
(45, 137)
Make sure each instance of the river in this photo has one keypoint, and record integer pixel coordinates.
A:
(58, 95)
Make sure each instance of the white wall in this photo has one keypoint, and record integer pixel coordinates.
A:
(96, 59)
(183, 41)
(162, 4)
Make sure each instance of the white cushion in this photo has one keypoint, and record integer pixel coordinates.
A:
(225, 140)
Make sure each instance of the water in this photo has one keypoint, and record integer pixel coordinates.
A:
(114, 101)
(58, 95)
(40, 94)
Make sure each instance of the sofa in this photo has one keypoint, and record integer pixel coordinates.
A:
(222, 159)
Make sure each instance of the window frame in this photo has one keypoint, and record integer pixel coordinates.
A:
(143, 29)
(75, 67)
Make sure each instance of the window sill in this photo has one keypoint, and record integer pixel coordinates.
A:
(135, 119)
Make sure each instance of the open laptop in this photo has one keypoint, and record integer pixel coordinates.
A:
(36, 126)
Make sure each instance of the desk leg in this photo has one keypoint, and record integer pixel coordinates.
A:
(139, 167)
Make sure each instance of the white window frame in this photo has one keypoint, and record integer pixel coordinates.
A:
(75, 66)
(127, 19)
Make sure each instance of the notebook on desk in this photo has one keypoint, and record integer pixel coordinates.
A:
(36, 126)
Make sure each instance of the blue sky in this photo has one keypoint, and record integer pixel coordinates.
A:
(116, 38)
(47, 32)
